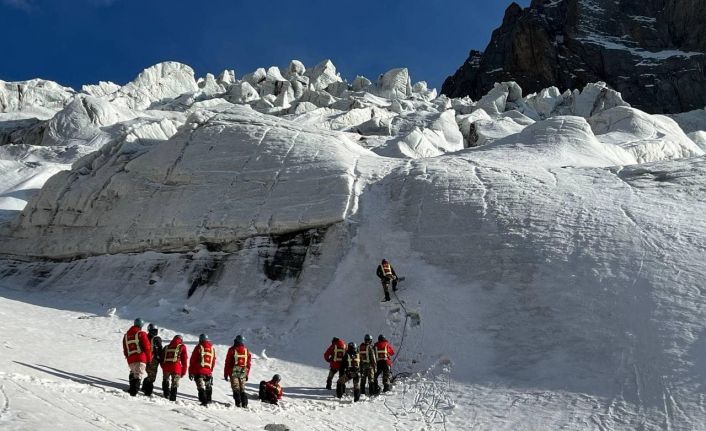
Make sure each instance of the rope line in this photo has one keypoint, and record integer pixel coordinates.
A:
(404, 333)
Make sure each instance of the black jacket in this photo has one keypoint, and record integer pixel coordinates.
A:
(381, 274)
(157, 348)
(350, 364)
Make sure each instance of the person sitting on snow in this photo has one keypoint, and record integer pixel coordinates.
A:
(271, 392)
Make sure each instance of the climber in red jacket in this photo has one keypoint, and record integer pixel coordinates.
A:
(138, 352)
(237, 370)
(271, 392)
(203, 361)
(174, 362)
(383, 357)
(334, 355)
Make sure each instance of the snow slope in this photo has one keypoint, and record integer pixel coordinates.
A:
(552, 247)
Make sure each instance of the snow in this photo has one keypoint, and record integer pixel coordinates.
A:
(621, 45)
(36, 94)
(322, 75)
(394, 84)
(699, 139)
(552, 270)
(157, 84)
(692, 121)
(647, 137)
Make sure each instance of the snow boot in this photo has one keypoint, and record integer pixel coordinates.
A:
(202, 397)
(385, 387)
(236, 398)
(173, 394)
(387, 297)
(134, 386)
(244, 399)
(165, 389)
(340, 389)
(147, 387)
(362, 386)
(261, 391)
(329, 382)
(209, 394)
(356, 395)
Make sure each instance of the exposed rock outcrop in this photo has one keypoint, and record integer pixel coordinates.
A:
(652, 51)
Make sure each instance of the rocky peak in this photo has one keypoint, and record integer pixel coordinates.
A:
(652, 51)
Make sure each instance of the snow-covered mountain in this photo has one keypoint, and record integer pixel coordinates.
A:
(552, 245)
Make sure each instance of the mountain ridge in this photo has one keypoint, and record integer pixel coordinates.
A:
(653, 52)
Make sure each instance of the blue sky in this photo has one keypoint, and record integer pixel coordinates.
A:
(76, 42)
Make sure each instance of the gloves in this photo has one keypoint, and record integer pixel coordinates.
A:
(225, 378)
(191, 377)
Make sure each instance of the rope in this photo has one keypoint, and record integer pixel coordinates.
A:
(404, 331)
(401, 375)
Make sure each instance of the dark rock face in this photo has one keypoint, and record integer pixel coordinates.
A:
(652, 51)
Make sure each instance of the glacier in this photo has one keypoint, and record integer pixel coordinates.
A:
(552, 246)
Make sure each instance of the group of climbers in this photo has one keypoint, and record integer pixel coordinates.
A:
(144, 353)
(363, 366)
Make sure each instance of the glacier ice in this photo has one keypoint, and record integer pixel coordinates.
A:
(560, 231)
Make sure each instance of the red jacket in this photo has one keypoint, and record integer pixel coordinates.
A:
(238, 356)
(334, 354)
(203, 359)
(384, 351)
(274, 389)
(136, 346)
(175, 358)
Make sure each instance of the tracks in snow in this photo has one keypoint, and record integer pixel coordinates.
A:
(98, 419)
(4, 405)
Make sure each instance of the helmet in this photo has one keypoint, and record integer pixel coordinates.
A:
(239, 339)
(202, 338)
(384, 261)
(139, 322)
(276, 378)
(352, 346)
(152, 329)
(368, 338)
(177, 337)
(335, 340)
(381, 337)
